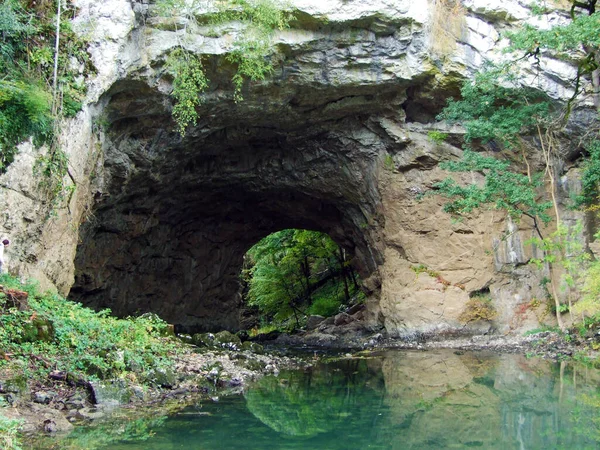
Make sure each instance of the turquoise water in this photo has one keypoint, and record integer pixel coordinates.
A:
(393, 400)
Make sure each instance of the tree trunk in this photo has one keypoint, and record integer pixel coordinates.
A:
(596, 83)
(342, 261)
(56, 50)
(547, 144)
(353, 276)
(305, 266)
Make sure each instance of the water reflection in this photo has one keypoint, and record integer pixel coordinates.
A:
(399, 400)
(319, 400)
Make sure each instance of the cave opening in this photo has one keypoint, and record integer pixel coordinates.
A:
(169, 230)
(173, 217)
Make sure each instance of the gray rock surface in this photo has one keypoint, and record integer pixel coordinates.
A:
(335, 141)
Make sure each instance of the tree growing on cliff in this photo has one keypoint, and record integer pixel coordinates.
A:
(43, 63)
(496, 108)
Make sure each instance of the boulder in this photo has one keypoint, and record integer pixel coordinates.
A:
(313, 322)
(252, 347)
(221, 340)
(110, 393)
(343, 319)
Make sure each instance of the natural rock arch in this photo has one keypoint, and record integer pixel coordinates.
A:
(173, 217)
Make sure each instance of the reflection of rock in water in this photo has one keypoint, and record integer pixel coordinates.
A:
(435, 399)
(346, 394)
(447, 400)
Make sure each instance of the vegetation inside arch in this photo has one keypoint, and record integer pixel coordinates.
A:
(292, 274)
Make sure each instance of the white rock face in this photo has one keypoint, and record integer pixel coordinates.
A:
(107, 25)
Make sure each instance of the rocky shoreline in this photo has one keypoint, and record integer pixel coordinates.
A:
(59, 403)
(57, 406)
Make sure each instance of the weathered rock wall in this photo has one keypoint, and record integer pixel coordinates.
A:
(336, 141)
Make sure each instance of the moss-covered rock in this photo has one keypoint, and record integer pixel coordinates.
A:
(221, 340)
(252, 347)
(163, 377)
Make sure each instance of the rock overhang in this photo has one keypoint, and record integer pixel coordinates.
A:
(302, 150)
(174, 216)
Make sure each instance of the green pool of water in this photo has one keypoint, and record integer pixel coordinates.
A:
(393, 400)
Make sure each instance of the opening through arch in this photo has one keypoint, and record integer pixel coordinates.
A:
(292, 274)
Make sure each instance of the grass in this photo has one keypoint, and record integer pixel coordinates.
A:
(9, 433)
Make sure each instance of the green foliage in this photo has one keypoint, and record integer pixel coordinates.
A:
(9, 433)
(564, 249)
(53, 168)
(110, 434)
(309, 405)
(189, 81)
(328, 300)
(283, 264)
(79, 340)
(16, 26)
(326, 306)
(25, 110)
(582, 30)
(502, 189)
(578, 39)
(295, 272)
(563, 242)
(590, 176)
(389, 163)
(27, 35)
(251, 64)
(493, 108)
(250, 51)
(437, 137)
(589, 304)
(422, 268)
(542, 329)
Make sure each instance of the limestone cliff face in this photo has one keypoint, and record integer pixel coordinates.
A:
(335, 141)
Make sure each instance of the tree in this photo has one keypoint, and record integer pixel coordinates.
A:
(289, 268)
(579, 39)
(495, 108)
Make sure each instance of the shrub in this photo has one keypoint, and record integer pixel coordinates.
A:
(437, 137)
(79, 340)
(250, 52)
(478, 308)
(325, 306)
(24, 111)
(27, 54)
